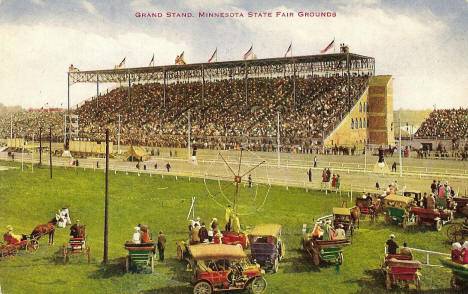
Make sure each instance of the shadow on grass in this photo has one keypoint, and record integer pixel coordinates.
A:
(180, 289)
(299, 264)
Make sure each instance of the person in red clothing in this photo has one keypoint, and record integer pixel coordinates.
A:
(465, 252)
(144, 234)
(456, 253)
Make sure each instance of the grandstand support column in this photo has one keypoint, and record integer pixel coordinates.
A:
(203, 85)
(164, 91)
(188, 131)
(278, 139)
(97, 91)
(294, 84)
(245, 83)
(129, 85)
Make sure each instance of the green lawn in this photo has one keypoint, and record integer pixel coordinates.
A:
(28, 199)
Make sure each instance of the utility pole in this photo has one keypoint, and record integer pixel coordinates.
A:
(106, 205)
(188, 145)
(278, 139)
(50, 151)
(40, 146)
(399, 143)
(118, 137)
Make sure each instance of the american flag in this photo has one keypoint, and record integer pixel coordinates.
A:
(152, 61)
(248, 53)
(122, 62)
(332, 43)
(215, 54)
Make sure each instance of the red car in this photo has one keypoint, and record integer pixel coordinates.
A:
(233, 238)
(220, 267)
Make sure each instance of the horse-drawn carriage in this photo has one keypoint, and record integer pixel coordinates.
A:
(140, 255)
(342, 216)
(266, 245)
(77, 244)
(11, 248)
(220, 267)
(459, 279)
(401, 270)
(329, 251)
(461, 205)
(397, 210)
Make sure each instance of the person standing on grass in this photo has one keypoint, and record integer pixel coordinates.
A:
(315, 161)
(161, 245)
(168, 167)
(250, 181)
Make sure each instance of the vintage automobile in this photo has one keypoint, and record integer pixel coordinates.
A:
(397, 210)
(266, 246)
(221, 267)
(432, 217)
(415, 194)
(342, 215)
(401, 270)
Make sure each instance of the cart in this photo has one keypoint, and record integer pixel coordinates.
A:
(365, 205)
(342, 216)
(459, 279)
(401, 270)
(457, 232)
(139, 255)
(266, 246)
(10, 250)
(76, 246)
(397, 210)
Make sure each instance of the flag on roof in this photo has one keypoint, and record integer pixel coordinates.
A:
(332, 43)
(248, 53)
(180, 59)
(214, 56)
(122, 63)
(152, 61)
(289, 50)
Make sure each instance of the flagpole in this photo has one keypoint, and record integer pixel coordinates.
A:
(334, 47)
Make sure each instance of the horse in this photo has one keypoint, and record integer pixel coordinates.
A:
(48, 228)
(355, 215)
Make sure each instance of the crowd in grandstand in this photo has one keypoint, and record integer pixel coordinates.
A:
(223, 113)
(27, 123)
(445, 123)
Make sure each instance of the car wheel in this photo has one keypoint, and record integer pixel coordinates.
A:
(438, 225)
(202, 287)
(258, 285)
(275, 265)
(340, 258)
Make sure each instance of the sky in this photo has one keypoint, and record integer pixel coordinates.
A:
(421, 43)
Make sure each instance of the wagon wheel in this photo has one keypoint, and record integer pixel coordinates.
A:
(455, 283)
(64, 253)
(340, 258)
(282, 251)
(417, 282)
(180, 254)
(438, 225)
(316, 258)
(202, 287)
(404, 222)
(275, 265)
(258, 285)
(88, 253)
(388, 281)
(387, 219)
(454, 233)
(127, 263)
(152, 263)
(33, 245)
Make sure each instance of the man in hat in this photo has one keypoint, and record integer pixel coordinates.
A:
(195, 239)
(406, 251)
(203, 233)
(161, 245)
(392, 245)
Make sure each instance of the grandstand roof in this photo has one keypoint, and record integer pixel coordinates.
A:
(154, 73)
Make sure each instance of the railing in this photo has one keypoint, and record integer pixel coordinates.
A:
(428, 254)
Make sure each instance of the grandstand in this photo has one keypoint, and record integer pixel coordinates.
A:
(239, 102)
